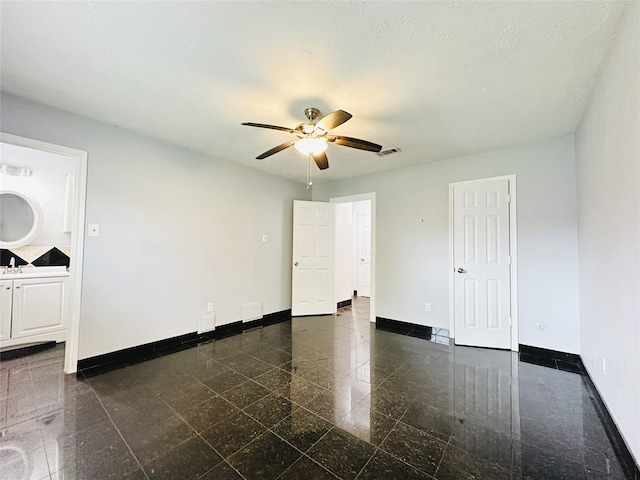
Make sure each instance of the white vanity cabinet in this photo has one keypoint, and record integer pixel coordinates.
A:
(32, 309)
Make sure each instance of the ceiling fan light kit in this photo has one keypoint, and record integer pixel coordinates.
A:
(311, 145)
(313, 139)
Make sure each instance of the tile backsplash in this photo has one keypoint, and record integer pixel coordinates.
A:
(37, 255)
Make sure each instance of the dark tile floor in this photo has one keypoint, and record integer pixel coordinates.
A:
(311, 398)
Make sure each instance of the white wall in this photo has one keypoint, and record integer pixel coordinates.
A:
(47, 185)
(608, 172)
(413, 237)
(178, 229)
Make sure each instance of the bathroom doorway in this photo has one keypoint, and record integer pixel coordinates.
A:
(71, 225)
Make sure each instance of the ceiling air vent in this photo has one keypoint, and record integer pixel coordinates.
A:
(388, 151)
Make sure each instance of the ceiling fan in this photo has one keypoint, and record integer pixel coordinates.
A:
(313, 136)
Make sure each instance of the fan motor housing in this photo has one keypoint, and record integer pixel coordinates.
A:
(311, 113)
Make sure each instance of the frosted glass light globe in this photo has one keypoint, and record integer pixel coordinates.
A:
(311, 145)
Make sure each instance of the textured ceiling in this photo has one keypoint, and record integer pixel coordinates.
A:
(436, 79)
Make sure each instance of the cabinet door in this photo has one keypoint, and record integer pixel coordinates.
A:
(6, 301)
(38, 306)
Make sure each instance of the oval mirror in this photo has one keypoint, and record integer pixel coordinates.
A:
(20, 219)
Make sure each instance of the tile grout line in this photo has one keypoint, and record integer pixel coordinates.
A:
(226, 463)
(198, 434)
(444, 452)
(240, 410)
(44, 448)
(318, 441)
(377, 448)
(406, 463)
(304, 455)
(144, 472)
(224, 459)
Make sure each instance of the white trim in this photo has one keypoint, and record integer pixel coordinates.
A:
(372, 198)
(452, 303)
(77, 238)
(513, 248)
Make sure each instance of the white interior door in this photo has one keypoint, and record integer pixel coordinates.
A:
(313, 259)
(482, 287)
(364, 254)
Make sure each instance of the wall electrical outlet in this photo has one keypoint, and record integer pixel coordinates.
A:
(209, 307)
(427, 307)
(94, 230)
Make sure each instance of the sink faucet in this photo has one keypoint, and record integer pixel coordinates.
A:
(12, 265)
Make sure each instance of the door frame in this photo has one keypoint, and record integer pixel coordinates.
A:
(372, 198)
(79, 157)
(513, 249)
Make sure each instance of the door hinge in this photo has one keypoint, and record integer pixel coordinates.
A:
(510, 324)
(509, 259)
(508, 199)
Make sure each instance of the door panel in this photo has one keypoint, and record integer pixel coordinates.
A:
(482, 264)
(313, 263)
(470, 302)
(364, 254)
(493, 304)
(38, 306)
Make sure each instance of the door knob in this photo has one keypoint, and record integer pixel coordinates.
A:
(296, 264)
(362, 259)
(462, 270)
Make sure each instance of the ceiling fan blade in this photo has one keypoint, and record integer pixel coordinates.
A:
(355, 143)
(321, 160)
(272, 127)
(277, 149)
(332, 120)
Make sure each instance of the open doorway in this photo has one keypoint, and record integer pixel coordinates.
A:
(355, 249)
(72, 225)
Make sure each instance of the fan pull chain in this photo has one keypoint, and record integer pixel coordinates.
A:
(309, 182)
